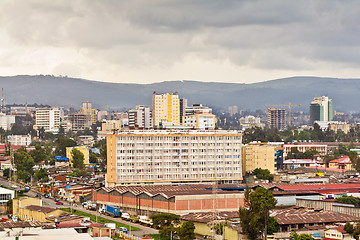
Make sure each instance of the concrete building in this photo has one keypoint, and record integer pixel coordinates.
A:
(83, 149)
(21, 140)
(276, 118)
(86, 105)
(321, 109)
(140, 117)
(165, 108)
(48, 118)
(199, 121)
(303, 147)
(79, 121)
(197, 109)
(297, 163)
(183, 106)
(258, 155)
(6, 121)
(173, 156)
(110, 126)
(249, 122)
(233, 110)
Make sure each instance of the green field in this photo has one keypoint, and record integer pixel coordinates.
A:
(99, 219)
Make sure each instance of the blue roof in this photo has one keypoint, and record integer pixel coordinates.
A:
(61, 158)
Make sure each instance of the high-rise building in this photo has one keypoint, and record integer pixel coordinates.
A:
(47, 118)
(276, 118)
(6, 121)
(79, 121)
(321, 109)
(166, 109)
(140, 117)
(233, 110)
(86, 105)
(200, 121)
(139, 156)
(183, 106)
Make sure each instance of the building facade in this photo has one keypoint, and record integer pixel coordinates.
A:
(321, 109)
(140, 117)
(166, 109)
(200, 121)
(47, 118)
(173, 156)
(258, 155)
(276, 118)
(83, 149)
(79, 121)
(21, 140)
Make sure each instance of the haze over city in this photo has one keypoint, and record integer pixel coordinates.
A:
(154, 41)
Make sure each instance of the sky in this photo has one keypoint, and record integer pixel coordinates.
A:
(146, 41)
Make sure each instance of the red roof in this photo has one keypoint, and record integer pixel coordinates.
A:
(344, 160)
(335, 186)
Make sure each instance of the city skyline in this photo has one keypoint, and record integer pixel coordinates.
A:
(155, 41)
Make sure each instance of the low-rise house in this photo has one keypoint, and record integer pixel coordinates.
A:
(343, 163)
(38, 213)
(337, 233)
(297, 163)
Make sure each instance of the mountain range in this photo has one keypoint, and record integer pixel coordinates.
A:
(70, 92)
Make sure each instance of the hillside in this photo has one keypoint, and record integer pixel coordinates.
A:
(63, 91)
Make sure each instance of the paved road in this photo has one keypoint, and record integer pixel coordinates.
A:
(51, 203)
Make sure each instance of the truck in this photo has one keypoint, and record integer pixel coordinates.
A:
(89, 205)
(145, 220)
(112, 210)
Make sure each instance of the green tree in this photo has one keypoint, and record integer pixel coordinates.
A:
(167, 231)
(41, 175)
(77, 159)
(273, 225)
(24, 165)
(6, 172)
(254, 217)
(348, 200)
(263, 174)
(61, 143)
(186, 231)
(349, 228)
(39, 154)
(92, 157)
(164, 219)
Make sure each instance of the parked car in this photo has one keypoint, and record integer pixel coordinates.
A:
(123, 229)
(56, 200)
(59, 203)
(38, 195)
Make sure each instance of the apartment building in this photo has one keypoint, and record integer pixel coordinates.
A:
(303, 147)
(6, 121)
(166, 109)
(79, 121)
(154, 156)
(259, 155)
(21, 140)
(47, 118)
(200, 121)
(140, 117)
(276, 118)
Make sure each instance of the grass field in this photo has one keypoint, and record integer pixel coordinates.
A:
(99, 219)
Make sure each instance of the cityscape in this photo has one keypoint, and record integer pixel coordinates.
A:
(179, 120)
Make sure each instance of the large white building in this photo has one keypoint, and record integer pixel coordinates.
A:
(200, 121)
(47, 118)
(166, 109)
(176, 156)
(140, 117)
(6, 121)
(22, 140)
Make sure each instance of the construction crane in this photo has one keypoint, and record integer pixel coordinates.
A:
(288, 105)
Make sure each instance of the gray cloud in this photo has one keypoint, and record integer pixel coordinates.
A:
(91, 38)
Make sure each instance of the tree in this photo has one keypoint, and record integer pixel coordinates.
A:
(24, 165)
(254, 216)
(349, 228)
(38, 154)
(273, 225)
(41, 175)
(164, 219)
(263, 174)
(186, 231)
(303, 236)
(61, 143)
(167, 231)
(348, 200)
(92, 157)
(77, 159)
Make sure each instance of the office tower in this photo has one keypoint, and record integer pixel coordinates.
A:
(276, 118)
(233, 110)
(321, 109)
(86, 105)
(47, 118)
(166, 109)
(159, 156)
(140, 117)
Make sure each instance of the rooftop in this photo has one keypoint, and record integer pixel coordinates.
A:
(39, 208)
(209, 216)
(343, 160)
(300, 215)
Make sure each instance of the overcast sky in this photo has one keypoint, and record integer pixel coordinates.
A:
(161, 40)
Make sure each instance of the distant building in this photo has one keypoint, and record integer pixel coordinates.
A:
(122, 116)
(342, 163)
(322, 149)
(321, 109)
(22, 140)
(140, 117)
(249, 122)
(233, 110)
(6, 195)
(258, 155)
(297, 163)
(22, 110)
(86, 105)
(197, 109)
(110, 126)
(83, 149)
(200, 121)
(103, 115)
(79, 121)
(48, 118)
(183, 106)
(276, 118)
(279, 154)
(165, 109)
